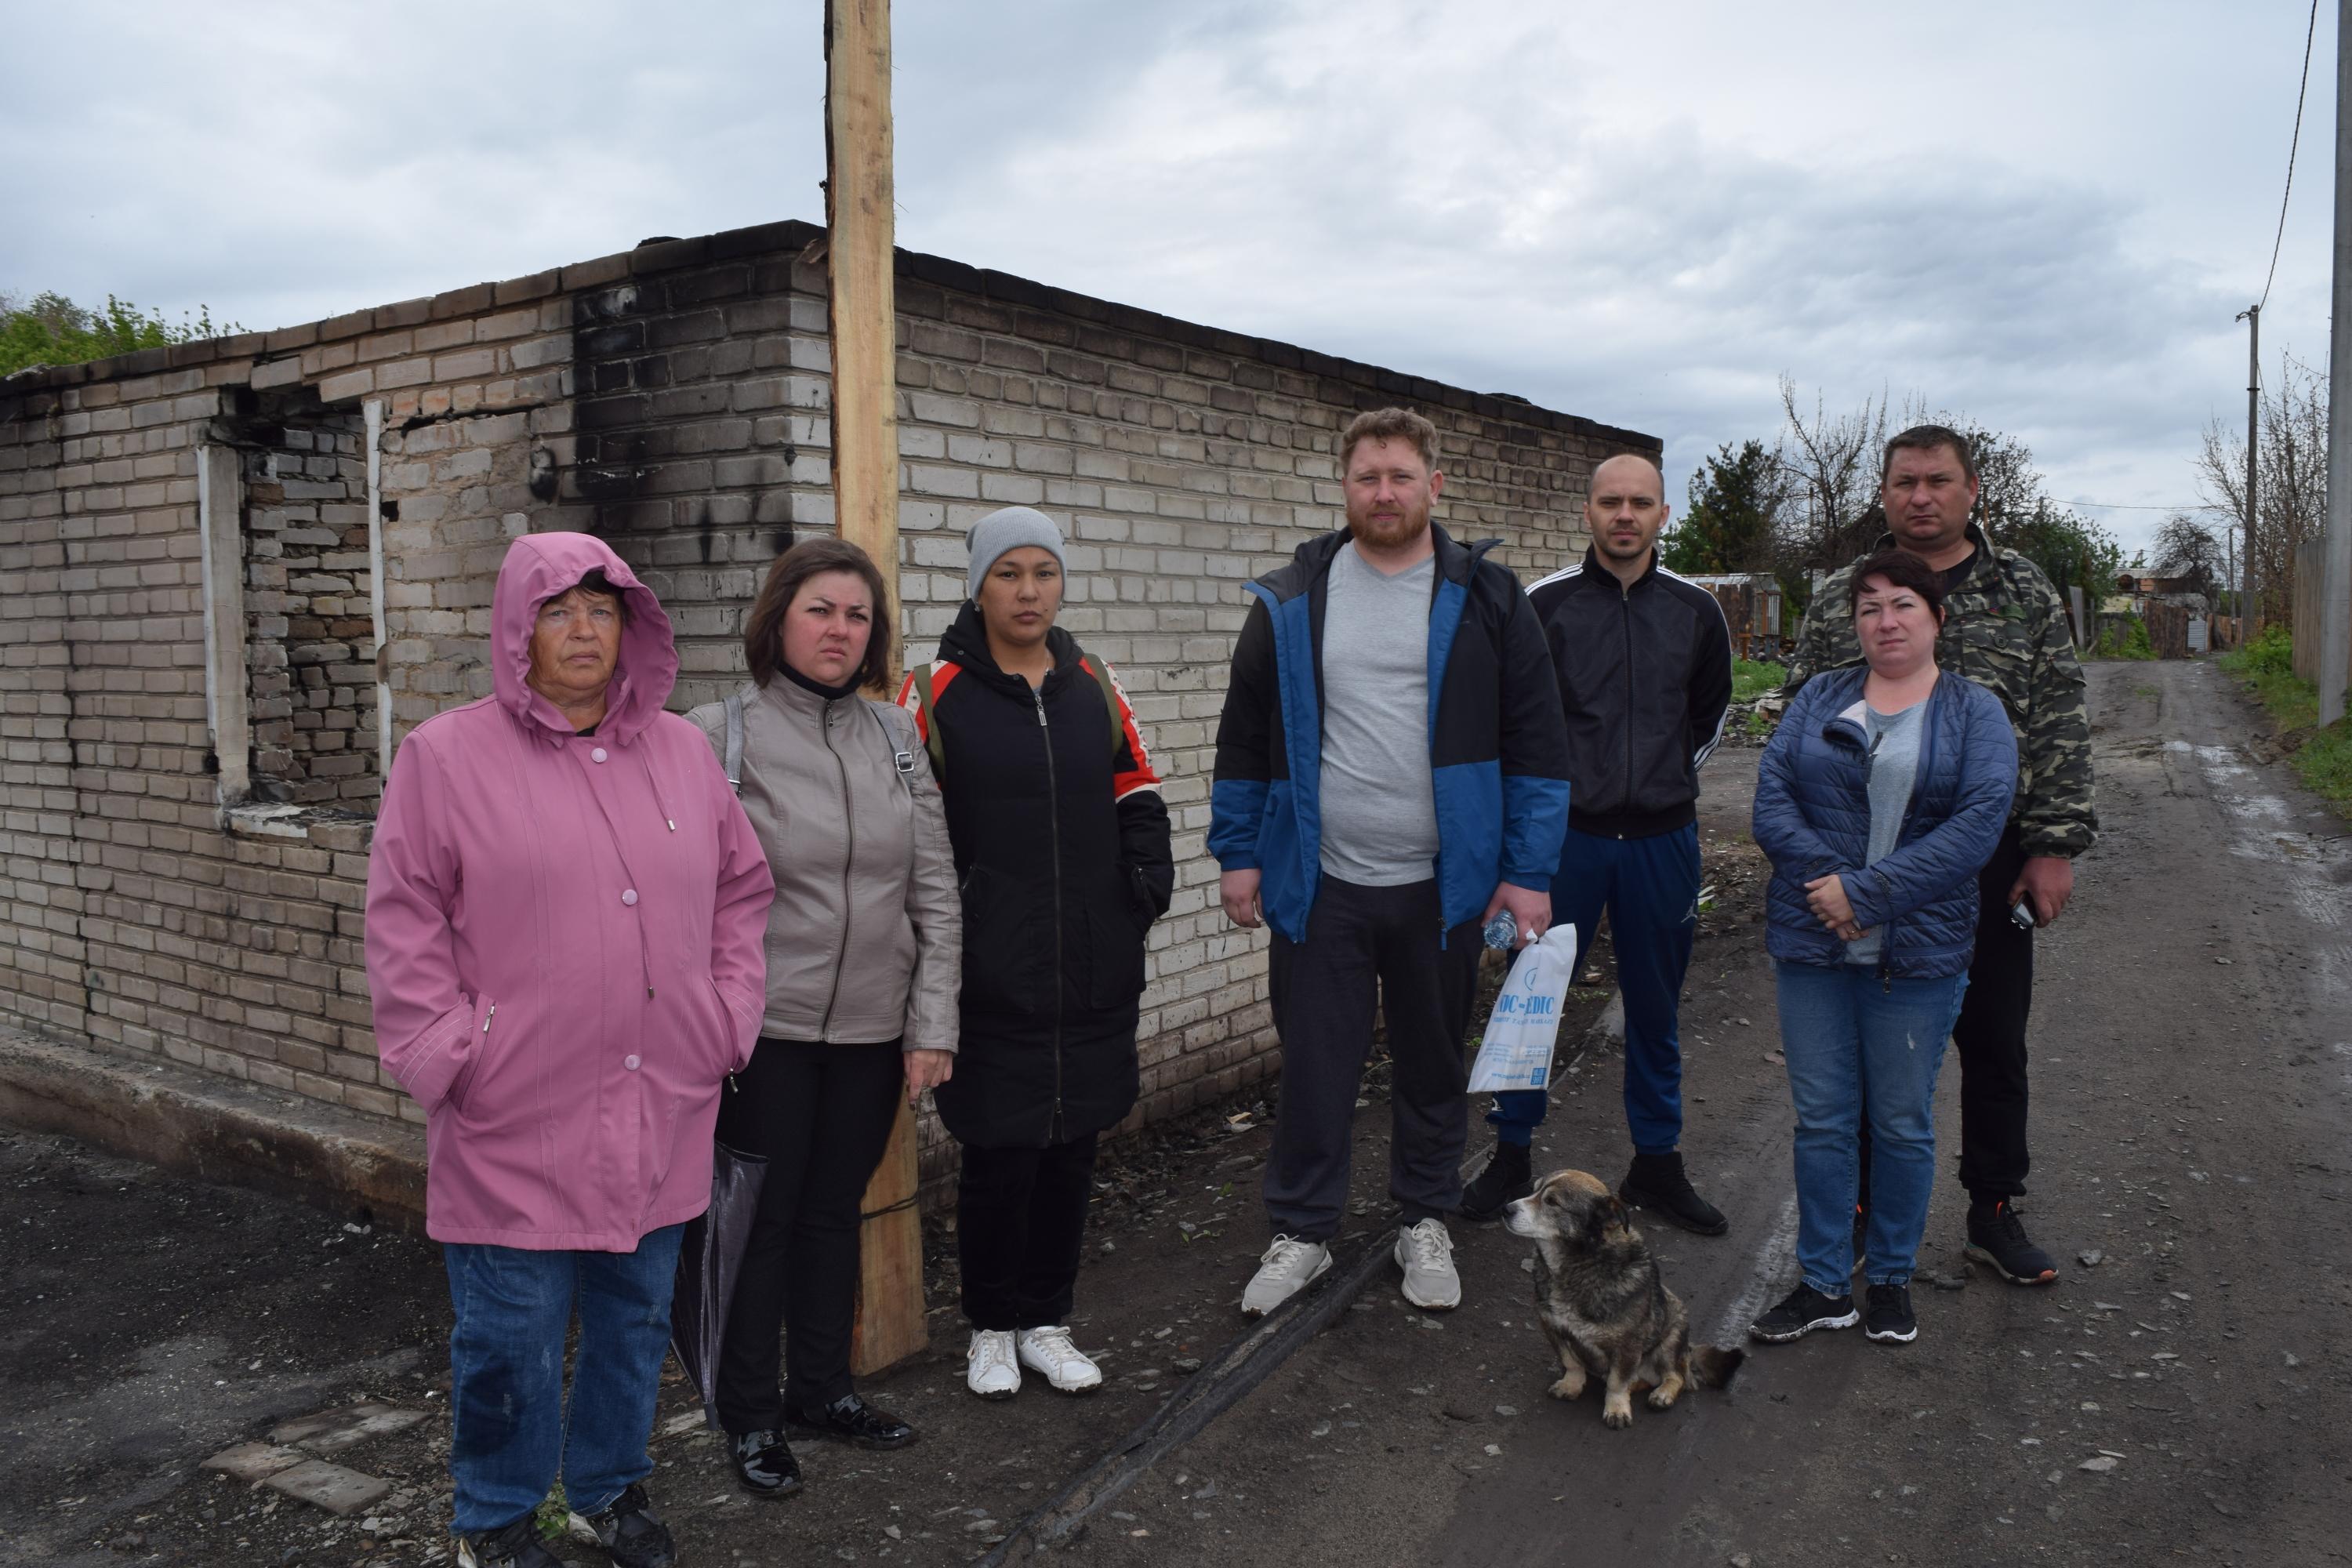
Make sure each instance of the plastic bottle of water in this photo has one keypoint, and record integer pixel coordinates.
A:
(1503, 930)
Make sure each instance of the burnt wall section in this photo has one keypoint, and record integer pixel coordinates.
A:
(693, 400)
(309, 607)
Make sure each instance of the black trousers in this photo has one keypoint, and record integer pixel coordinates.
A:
(1367, 946)
(1991, 1038)
(1021, 1219)
(822, 1115)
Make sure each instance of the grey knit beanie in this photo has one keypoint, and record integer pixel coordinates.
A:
(1009, 528)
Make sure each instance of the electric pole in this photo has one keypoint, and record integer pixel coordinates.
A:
(860, 259)
(2336, 592)
(2247, 613)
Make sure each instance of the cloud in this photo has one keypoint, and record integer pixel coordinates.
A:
(1644, 217)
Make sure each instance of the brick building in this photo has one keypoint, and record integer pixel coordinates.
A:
(234, 573)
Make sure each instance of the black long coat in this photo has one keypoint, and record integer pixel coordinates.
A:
(1062, 852)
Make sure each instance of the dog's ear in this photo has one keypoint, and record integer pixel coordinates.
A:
(1610, 1216)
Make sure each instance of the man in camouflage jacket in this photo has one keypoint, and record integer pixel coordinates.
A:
(2006, 630)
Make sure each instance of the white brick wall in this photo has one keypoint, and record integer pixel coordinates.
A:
(678, 393)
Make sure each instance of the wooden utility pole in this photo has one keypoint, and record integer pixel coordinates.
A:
(2248, 611)
(2336, 590)
(859, 233)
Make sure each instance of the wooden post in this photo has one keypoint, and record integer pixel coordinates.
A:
(865, 321)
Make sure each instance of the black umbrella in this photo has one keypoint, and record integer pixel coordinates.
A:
(708, 1261)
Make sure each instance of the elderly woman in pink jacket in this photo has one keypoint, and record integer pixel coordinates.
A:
(564, 913)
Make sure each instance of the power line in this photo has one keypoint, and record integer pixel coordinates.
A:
(2310, 31)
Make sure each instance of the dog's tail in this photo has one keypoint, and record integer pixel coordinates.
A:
(1712, 1367)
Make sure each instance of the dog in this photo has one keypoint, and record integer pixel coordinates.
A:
(1602, 1305)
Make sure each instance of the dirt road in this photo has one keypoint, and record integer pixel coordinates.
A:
(2193, 1048)
(2193, 1082)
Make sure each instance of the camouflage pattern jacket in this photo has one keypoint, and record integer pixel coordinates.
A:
(2005, 629)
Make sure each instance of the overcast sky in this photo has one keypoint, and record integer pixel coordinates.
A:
(1642, 215)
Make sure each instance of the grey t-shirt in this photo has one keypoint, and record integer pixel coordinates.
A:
(1380, 805)
(1895, 764)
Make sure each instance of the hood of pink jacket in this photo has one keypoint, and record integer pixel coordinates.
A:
(543, 566)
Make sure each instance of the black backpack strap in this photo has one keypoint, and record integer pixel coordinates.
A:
(1101, 673)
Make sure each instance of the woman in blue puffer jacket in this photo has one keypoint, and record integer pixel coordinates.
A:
(1879, 798)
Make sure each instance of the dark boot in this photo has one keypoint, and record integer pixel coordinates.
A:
(1657, 1183)
(1505, 1178)
(1997, 1237)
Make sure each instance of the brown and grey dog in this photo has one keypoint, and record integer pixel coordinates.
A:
(1603, 1306)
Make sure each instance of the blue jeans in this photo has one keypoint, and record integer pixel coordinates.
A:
(1650, 888)
(512, 1426)
(1852, 1039)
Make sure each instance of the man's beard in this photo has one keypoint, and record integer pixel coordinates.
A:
(1388, 535)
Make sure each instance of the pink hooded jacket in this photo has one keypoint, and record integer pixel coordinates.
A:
(563, 937)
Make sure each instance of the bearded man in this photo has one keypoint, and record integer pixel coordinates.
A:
(1392, 772)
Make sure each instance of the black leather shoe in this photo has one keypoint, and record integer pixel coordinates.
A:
(1657, 1183)
(1505, 1178)
(849, 1419)
(764, 1464)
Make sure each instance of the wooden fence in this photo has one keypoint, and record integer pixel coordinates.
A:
(2168, 629)
(2310, 591)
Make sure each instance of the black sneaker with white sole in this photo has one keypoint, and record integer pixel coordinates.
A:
(1997, 1239)
(1888, 1315)
(1800, 1312)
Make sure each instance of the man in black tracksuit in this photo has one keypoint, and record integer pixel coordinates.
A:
(1643, 659)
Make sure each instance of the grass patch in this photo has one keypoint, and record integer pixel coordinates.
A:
(1751, 679)
(2322, 758)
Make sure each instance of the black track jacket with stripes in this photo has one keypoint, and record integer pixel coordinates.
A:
(1645, 679)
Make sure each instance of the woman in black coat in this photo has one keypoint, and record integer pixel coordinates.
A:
(1062, 850)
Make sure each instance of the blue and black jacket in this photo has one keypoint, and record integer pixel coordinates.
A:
(1498, 747)
(1812, 819)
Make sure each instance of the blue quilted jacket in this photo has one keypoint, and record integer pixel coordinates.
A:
(1812, 818)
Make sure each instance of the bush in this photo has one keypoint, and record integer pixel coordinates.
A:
(2272, 651)
(2124, 639)
(52, 330)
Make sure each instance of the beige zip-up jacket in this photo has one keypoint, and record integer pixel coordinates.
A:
(866, 938)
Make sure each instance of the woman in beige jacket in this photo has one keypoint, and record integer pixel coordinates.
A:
(864, 948)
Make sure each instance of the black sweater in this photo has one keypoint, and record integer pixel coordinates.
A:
(1644, 678)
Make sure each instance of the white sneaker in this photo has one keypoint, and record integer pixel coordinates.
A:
(1425, 1253)
(989, 1368)
(1288, 1266)
(1051, 1351)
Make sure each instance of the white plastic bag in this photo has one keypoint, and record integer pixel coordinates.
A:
(1516, 1051)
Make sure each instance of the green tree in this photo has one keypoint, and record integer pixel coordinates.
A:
(50, 328)
(2017, 513)
(1735, 502)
